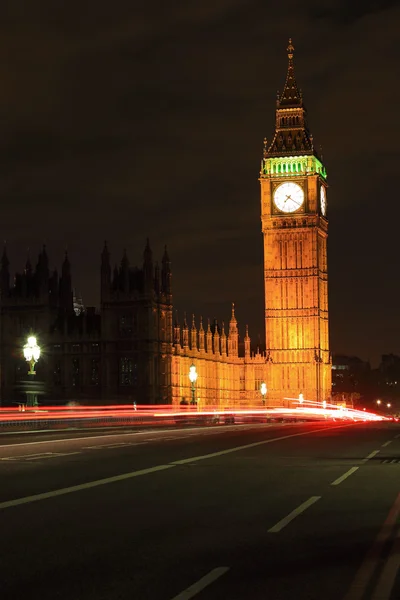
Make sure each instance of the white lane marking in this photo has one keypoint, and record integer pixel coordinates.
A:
(374, 453)
(295, 513)
(23, 456)
(185, 461)
(386, 443)
(91, 484)
(385, 585)
(345, 476)
(373, 558)
(397, 436)
(164, 431)
(82, 486)
(194, 589)
(53, 455)
(39, 456)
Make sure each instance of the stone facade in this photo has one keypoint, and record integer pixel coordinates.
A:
(131, 351)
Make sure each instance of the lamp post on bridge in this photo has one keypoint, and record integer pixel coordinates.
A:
(31, 352)
(263, 390)
(193, 375)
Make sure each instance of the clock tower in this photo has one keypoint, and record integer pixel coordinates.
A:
(295, 230)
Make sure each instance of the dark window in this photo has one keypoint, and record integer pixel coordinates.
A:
(75, 372)
(94, 372)
(126, 325)
(95, 347)
(76, 347)
(125, 371)
(57, 373)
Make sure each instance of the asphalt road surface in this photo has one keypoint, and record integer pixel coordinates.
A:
(277, 512)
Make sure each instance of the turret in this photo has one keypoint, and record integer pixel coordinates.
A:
(233, 336)
(5, 274)
(216, 338)
(148, 266)
(185, 335)
(157, 279)
(166, 275)
(201, 336)
(66, 296)
(247, 343)
(42, 274)
(223, 340)
(193, 335)
(177, 334)
(209, 338)
(125, 272)
(105, 272)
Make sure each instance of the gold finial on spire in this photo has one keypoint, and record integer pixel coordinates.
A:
(290, 49)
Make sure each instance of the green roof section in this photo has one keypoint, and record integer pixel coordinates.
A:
(292, 166)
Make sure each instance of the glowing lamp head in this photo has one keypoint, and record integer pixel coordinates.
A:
(31, 350)
(378, 401)
(193, 374)
(263, 389)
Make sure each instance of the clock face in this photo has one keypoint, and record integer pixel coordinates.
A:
(322, 199)
(288, 197)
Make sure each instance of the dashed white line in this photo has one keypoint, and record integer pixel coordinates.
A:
(345, 476)
(374, 453)
(386, 443)
(295, 513)
(197, 587)
(130, 475)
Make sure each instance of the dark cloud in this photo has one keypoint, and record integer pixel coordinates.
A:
(149, 119)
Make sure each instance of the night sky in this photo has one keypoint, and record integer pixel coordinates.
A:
(126, 119)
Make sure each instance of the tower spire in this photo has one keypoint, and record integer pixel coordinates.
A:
(291, 95)
(292, 136)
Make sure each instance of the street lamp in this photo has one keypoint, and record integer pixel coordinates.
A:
(31, 354)
(378, 402)
(193, 378)
(388, 405)
(263, 390)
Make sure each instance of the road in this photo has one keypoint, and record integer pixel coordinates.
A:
(305, 511)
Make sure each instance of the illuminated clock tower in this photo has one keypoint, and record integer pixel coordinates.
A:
(295, 231)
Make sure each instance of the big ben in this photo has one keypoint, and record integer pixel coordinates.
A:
(294, 215)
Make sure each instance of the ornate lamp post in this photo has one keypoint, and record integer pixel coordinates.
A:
(193, 378)
(263, 390)
(31, 352)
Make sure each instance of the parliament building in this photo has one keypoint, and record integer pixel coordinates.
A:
(134, 350)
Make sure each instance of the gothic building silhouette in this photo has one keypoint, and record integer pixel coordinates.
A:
(134, 350)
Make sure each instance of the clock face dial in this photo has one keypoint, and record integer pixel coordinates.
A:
(322, 197)
(289, 197)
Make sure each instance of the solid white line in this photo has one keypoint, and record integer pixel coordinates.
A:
(386, 443)
(52, 455)
(295, 513)
(389, 572)
(345, 476)
(83, 486)
(116, 435)
(91, 484)
(374, 556)
(194, 589)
